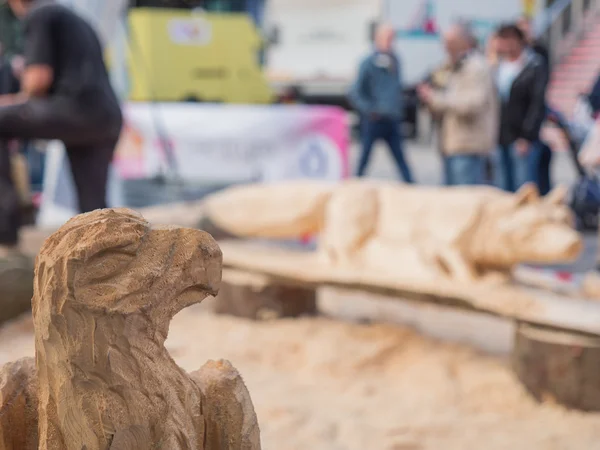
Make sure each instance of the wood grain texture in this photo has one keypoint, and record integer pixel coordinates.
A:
(18, 406)
(231, 422)
(106, 287)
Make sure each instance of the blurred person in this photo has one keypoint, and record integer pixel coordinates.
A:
(522, 78)
(491, 50)
(585, 112)
(438, 79)
(585, 195)
(290, 96)
(468, 107)
(11, 68)
(65, 95)
(593, 97)
(378, 98)
(544, 157)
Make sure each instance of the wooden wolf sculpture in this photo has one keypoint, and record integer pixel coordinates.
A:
(464, 233)
(106, 288)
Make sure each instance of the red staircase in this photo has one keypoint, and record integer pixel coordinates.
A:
(577, 71)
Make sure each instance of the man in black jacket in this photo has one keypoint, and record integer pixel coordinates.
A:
(65, 95)
(545, 152)
(522, 79)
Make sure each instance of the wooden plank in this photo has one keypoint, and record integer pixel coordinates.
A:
(511, 301)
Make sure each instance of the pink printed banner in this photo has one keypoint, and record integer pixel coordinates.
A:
(235, 143)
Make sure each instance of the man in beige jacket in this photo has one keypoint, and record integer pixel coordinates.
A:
(470, 109)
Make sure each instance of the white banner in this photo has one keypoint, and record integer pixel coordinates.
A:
(234, 143)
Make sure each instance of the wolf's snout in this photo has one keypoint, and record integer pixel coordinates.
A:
(554, 243)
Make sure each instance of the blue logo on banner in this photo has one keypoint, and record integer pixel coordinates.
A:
(313, 161)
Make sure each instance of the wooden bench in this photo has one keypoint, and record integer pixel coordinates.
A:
(557, 343)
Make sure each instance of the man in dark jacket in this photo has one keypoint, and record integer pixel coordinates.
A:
(522, 79)
(544, 156)
(65, 95)
(377, 96)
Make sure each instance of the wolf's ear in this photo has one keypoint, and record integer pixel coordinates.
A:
(557, 196)
(528, 193)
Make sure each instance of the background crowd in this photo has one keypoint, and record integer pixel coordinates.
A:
(488, 105)
(487, 101)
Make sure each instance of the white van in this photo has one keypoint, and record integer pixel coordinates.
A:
(315, 45)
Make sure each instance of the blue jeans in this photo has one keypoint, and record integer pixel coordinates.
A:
(389, 131)
(514, 170)
(464, 170)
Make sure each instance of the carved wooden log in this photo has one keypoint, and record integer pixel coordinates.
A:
(255, 296)
(106, 288)
(558, 366)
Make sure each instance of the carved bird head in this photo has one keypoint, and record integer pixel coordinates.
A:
(113, 262)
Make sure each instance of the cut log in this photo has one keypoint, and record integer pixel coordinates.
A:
(255, 296)
(16, 286)
(558, 366)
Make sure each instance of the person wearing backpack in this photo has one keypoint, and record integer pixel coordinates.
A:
(544, 152)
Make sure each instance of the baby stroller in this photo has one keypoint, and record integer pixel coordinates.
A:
(585, 193)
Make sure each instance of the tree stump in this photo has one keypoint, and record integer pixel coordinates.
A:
(255, 296)
(16, 286)
(558, 366)
(107, 285)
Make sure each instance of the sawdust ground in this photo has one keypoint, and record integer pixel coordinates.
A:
(321, 384)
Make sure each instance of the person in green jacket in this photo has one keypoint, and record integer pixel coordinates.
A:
(11, 50)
